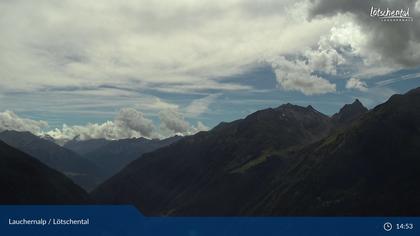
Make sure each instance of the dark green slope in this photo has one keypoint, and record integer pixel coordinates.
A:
(25, 180)
(371, 168)
(197, 170)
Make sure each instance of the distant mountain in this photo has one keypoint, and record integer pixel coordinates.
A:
(285, 161)
(349, 113)
(59, 141)
(79, 169)
(196, 168)
(113, 155)
(82, 147)
(25, 180)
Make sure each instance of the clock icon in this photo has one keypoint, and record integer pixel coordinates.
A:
(387, 226)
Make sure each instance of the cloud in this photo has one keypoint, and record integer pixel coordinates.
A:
(396, 44)
(200, 106)
(357, 84)
(399, 78)
(128, 123)
(162, 105)
(73, 58)
(134, 120)
(181, 46)
(172, 122)
(10, 121)
(106, 130)
(201, 127)
(337, 53)
(189, 47)
(297, 75)
(325, 58)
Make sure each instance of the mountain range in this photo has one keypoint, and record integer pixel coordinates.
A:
(290, 160)
(112, 155)
(87, 162)
(25, 180)
(82, 171)
(82, 147)
(284, 161)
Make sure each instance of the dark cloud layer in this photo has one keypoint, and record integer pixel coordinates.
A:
(396, 42)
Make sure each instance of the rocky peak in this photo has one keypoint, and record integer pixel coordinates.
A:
(350, 112)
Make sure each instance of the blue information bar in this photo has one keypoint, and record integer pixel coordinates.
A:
(126, 220)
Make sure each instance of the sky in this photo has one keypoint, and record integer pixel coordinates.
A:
(138, 68)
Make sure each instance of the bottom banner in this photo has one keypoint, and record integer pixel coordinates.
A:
(127, 220)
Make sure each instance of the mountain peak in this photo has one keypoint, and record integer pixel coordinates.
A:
(358, 104)
(350, 112)
(289, 106)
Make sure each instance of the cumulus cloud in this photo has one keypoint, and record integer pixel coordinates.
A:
(354, 83)
(128, 123)
(325, 57)
(106, 130)
(173, 122)
(337, 52)
(134, 120)
(297, 75)
(10, 121)
(396, 44)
